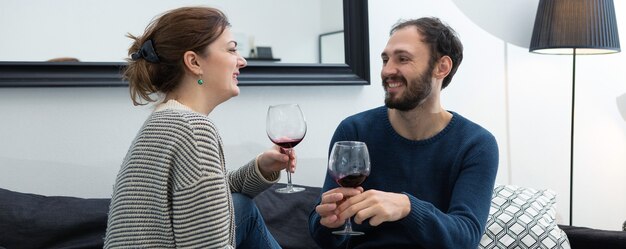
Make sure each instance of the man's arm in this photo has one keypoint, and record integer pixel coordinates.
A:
(462, 225)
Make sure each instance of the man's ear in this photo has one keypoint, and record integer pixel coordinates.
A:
(190, 59)
(443, 67)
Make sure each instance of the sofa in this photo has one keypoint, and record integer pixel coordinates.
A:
(35, 221)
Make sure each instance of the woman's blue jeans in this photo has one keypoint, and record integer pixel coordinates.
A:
(250, 228)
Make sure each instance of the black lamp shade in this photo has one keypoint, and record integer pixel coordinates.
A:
(575, 26)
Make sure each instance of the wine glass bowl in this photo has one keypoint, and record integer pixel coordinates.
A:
(286, 127)
(349, 165)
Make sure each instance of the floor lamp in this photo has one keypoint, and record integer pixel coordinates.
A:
(575, 27)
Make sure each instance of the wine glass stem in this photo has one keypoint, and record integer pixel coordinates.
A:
(348, 227)
(289, 185)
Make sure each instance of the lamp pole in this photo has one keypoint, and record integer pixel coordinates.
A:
(571, 151)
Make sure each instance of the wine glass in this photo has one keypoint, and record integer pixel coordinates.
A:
(286, 128)
(349, 165)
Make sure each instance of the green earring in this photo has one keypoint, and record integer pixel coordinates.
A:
(200, 82)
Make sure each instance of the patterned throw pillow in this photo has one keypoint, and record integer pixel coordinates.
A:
(523, 218)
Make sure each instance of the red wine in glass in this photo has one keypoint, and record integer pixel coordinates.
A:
(351, 181)
(286, 143)
(349, 165)
(286, 128)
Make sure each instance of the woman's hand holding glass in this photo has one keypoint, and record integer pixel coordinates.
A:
(274, 160)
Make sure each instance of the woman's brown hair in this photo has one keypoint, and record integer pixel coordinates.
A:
(171, 35)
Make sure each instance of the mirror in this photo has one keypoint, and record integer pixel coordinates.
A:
(84, 35)
(331, 47)
(355, 70)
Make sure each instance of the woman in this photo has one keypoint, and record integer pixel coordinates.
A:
(173, 189)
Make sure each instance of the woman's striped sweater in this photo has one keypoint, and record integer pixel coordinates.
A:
(173, 190)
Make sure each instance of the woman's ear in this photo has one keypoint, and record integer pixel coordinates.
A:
(192, 64)
(444, 65)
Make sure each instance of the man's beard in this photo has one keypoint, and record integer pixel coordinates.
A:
(414, 94)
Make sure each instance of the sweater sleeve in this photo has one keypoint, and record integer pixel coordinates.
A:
(462, 225)
(248, 180)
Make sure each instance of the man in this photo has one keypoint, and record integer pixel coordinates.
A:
(432, 170)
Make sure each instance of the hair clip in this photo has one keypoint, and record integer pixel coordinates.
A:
(146, 52)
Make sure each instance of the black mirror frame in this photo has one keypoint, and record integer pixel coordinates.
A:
(107, 74)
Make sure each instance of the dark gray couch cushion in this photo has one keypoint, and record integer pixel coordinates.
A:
(287, 215)
(36, 221)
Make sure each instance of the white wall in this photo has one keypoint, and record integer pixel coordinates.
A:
(70, 141)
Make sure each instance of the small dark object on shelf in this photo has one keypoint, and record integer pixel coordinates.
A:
(264, 52)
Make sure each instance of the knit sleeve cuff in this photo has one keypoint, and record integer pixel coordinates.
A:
(416, 217)
(273, 178)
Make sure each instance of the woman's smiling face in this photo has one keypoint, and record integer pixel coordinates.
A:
(221, 65)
